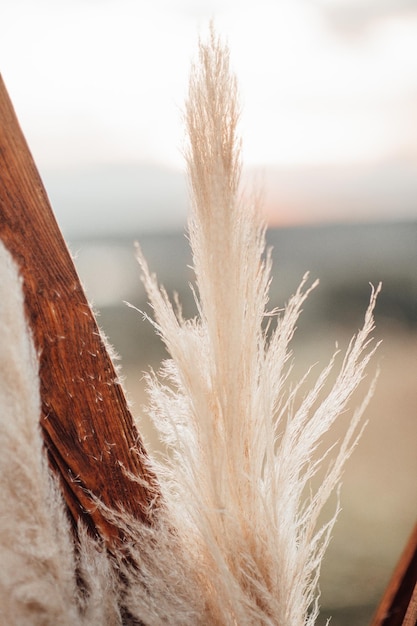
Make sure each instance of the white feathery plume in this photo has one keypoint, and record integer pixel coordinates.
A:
(241, 456)
(39, 567)
(32, 583)
(48, 577)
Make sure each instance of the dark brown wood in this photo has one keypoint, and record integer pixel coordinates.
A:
(88, 429)
(398, 606)
(411, 615)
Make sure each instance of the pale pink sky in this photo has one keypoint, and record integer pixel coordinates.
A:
(324, 84)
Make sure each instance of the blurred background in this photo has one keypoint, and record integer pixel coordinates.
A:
(329, 96)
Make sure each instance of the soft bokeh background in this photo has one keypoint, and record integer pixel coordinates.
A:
(329, 94)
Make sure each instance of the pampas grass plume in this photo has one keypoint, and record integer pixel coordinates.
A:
(242, 458)
(38, 573)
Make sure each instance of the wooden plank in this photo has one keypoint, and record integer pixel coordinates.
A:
(87, 426)
(398, 606)
(411, 615)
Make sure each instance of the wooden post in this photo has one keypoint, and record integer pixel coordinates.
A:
(398, 606)
(88, 430)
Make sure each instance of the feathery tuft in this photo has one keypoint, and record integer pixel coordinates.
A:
(47, 575)
(241, 457)
(37, 574)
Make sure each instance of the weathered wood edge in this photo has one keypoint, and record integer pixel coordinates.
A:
(88, 429)
(398, 606)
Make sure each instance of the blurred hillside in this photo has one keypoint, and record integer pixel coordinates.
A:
(345, 258)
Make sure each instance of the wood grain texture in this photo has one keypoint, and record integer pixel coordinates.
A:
(398, 606)
(87, 427)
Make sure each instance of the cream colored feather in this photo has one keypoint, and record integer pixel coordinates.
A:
(242, 458)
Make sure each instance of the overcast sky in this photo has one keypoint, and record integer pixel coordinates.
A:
(324, 83)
